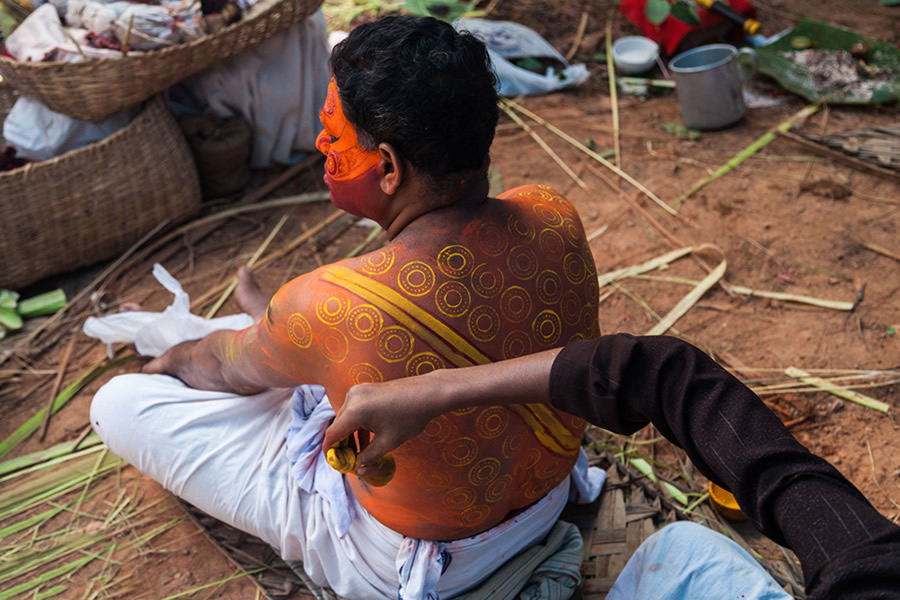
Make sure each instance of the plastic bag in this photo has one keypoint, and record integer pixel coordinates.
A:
(38, 133)
(153, 333)
(506, 40)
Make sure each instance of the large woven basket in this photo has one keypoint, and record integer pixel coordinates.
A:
(95, 89)
(93, 203)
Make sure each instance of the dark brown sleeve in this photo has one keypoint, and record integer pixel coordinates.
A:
(621, 383)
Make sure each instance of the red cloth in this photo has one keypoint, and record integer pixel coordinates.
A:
(671, 31)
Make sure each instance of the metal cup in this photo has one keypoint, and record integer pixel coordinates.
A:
(708, 84)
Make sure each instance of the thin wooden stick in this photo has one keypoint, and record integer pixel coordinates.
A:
(63, 363)
(562, 134)
(263, 263)
(579, 36)
(84, 292)
(838, 156)
(876, 248)
(540, 142)
(613, 96)
(234, 282)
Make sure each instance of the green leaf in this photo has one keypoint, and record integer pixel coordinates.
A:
(42, 304)
(890, 2)
(644, 467)
(9, 319)
(680, 131)
(445, 10)
(657, 11)
(686, 12)
(8, 299)
(676, 493)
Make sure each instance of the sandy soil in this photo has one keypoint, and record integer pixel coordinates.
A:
(778, 220)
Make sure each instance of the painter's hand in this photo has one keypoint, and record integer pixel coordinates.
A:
(394, 411)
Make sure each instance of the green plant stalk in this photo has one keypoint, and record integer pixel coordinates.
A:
(44, 459)
(676, 493)
(32, 425)
(209, 585)
(42, 304)
(749, 151)
(614, 102)
(54, 591)
(40, 559)
(47, 576)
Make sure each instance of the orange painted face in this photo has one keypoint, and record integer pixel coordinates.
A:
(345, 160)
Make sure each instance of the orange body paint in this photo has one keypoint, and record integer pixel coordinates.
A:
(502, 279)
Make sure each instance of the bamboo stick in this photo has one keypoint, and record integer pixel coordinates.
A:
(234, 282)
(750, 150)
(59, 377)
(837, 390)
(613, 96)
(685, 304)
(540, 142)
(562, 134)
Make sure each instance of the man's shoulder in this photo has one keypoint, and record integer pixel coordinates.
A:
(537, 194)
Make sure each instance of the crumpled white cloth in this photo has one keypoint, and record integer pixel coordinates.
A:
(310, 417)
(152, 332)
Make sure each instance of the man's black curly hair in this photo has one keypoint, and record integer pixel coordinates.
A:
(418, 84)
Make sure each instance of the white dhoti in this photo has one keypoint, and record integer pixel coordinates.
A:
(227, 455)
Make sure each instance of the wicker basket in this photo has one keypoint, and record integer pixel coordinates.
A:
(95, 89)
(93, 203)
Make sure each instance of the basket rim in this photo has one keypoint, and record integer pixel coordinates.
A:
(310, 6)
(154, 103)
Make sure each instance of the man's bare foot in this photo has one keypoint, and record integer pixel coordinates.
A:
(249, 297)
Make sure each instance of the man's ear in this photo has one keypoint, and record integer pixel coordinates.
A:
(393, 168)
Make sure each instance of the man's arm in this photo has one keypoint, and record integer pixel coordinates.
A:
(621, 383)
(247, 361)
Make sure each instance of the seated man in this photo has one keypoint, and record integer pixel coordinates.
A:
(465, 279)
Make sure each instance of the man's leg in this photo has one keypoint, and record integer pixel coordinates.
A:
(687, 560)
(220, 452)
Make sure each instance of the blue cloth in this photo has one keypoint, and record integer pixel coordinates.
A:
(688, 561)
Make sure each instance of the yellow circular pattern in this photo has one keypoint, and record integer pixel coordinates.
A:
(464, 411)
(551, 243)
(331, 310)
(573, 232)
(455, 261)
(574, 268)
(474, 515)
(546, 327)
(365, 373)
(484, 471)
(512, 443)
(364, 322)
(484, 323)
(515, 304)
(378, 262)
(460, 452)
(459, 498)
(433, 481)
(437, 431)
(492, 422)
(548, 214)
(416, 278)
(548, 471)
(589, 318)
(491, 239)
(522, 262)
(394, 343)
(334, 345)
(423, 362)
(519, 229)
(549, 286)
(570, 307)
(534, 456)
(516, 344)
(452, 299)
(487, 281)
(299, 330)
(498, 489)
